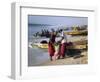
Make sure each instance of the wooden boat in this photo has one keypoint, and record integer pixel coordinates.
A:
(77, 33)
(43, 46)
(75, 45)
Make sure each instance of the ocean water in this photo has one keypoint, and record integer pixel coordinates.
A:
(33, 29)
(36, 56)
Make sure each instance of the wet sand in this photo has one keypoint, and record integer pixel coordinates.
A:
(82, 59)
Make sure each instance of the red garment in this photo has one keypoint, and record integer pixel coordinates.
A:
(63, 49)
(51, 49)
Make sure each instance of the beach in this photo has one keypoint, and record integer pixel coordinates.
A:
(40, 57)
(69, 60)
(42, 29)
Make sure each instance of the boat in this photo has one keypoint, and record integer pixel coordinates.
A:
(75, 31)
(77, 47)
(43, 44)
(73, 45)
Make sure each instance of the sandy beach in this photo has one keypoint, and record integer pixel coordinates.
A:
(69, 60)
(43, 59)
(42, 29)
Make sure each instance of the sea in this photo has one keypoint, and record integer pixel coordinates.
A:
(36, 56)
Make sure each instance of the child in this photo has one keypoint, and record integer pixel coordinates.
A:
(51, 50)
(57, 47)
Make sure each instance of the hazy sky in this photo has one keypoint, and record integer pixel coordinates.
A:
(57, 20)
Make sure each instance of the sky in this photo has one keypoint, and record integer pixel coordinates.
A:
(57, 20)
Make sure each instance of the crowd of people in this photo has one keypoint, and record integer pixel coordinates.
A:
(46, 32)
(57, 49)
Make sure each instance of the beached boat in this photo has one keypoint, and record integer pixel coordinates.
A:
(77, 47)
(83, 32)
(73, 45)
(75, 31)
(43, 44)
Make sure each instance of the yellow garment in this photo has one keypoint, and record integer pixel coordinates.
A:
(56, 47)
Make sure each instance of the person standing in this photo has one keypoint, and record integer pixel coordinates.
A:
(57, 48)
(63, 48)
(51, 49)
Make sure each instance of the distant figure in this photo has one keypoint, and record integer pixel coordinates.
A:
(51, 49)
